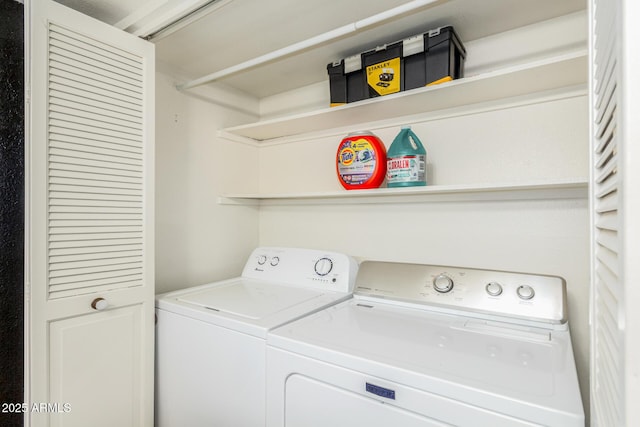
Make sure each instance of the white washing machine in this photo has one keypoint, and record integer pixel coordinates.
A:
(210, 339)
(426, 345)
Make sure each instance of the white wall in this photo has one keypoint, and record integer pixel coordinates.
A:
(198, 240)
(537, 141)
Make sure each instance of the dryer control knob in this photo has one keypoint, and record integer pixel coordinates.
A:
(494, 289)
(442, 283)
(262, 259)
(323, 266)
(525, 292)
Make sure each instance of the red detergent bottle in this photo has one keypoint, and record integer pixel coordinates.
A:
(361, 161)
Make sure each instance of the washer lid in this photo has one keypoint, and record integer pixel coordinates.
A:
(250, 299)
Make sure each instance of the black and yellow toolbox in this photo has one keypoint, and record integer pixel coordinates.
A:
(430, 58)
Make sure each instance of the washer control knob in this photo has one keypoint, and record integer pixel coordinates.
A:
(494, 289)
(442, 283)
(262, 259)
(274, 261)
(323, 266)
(525, 292)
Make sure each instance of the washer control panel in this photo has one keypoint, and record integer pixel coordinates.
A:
(302, 267)
(529, 297)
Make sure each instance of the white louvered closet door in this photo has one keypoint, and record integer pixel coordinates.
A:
(90, 222)
(615, 146)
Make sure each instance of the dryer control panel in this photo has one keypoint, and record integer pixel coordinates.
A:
(516, 296)
(309, 268)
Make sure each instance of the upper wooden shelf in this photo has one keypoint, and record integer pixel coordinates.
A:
(563, 71)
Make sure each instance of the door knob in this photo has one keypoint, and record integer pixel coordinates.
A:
(99, 304)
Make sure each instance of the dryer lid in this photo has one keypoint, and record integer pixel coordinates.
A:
(250, 299)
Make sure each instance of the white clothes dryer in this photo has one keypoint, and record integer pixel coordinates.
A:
(210, 339)
(422, 345)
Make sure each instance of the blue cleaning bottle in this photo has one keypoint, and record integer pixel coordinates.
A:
(406, 160)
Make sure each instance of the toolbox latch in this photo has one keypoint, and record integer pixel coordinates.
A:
(352, 63)
(435, 32)
(413, 45)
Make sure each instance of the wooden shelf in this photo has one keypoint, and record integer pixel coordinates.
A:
(565, 189)
(564, 71)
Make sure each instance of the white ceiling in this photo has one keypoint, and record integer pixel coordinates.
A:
(242, 29)
(109, 11)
